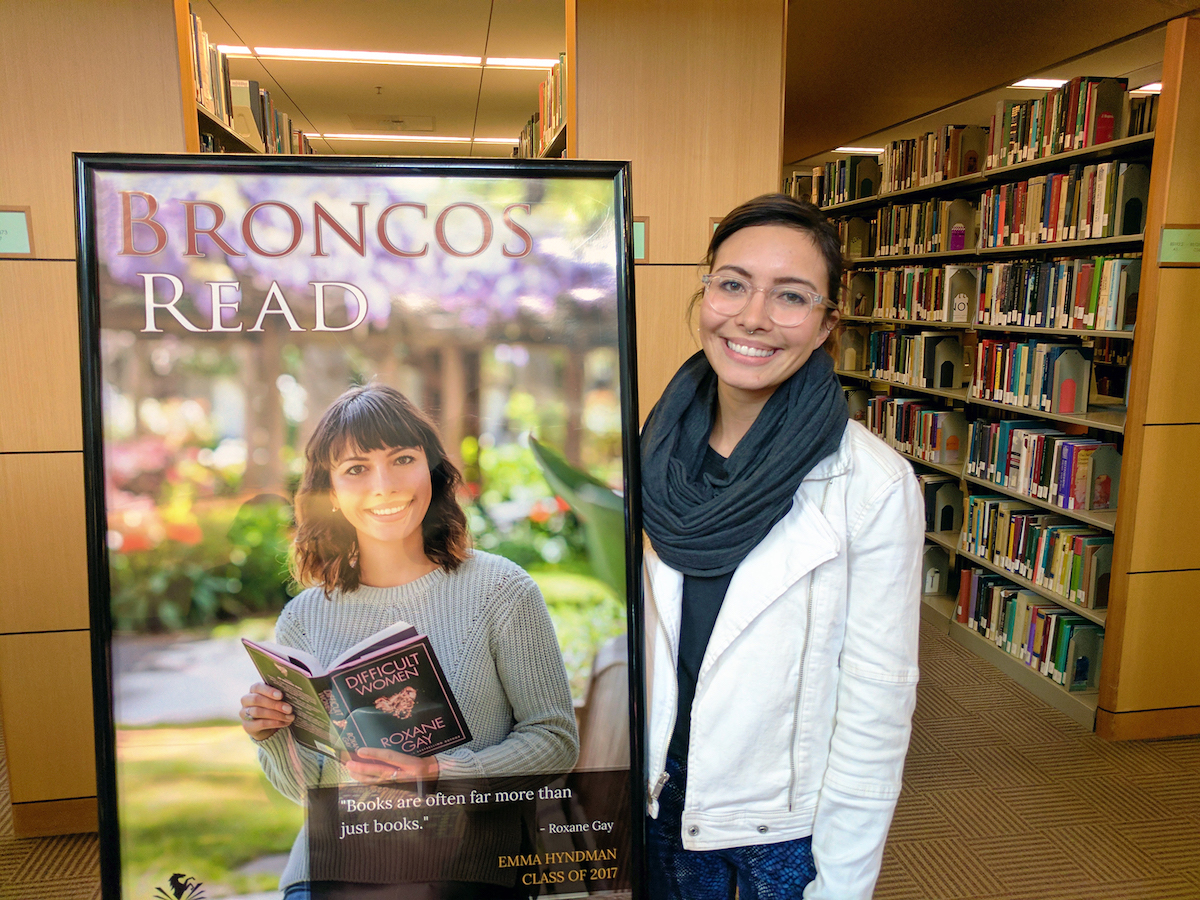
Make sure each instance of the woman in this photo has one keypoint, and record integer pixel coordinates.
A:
(382, 539)
(782, 585)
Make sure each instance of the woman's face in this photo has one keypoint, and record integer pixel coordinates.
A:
(384, 494)
(749, 352)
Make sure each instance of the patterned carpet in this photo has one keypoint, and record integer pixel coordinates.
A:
(1004, 799)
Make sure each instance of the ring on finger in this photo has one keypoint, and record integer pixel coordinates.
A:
(246, 714)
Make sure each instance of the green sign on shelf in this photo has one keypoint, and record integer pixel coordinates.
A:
(1180, 246)
(14, 232)
(639, 239)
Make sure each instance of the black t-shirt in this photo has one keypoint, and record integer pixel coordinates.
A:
(702, 599)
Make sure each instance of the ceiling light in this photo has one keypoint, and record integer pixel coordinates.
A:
(234, 50)
(1040, 84)
(418, 139)
(1154, 87)
(367, 56)
(507, 62)
(871, 150)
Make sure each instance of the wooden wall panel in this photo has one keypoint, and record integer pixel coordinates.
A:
(39, 357)
(43, 549)
(1167, 498)
(1159, 654)
(47, 708)
(691, 92)
(89, 76)
(664, 339)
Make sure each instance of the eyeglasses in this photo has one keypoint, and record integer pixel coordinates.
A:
(788, 305)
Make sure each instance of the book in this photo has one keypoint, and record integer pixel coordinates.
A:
(387, 692)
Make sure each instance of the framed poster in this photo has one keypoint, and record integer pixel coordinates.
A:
(362, 434)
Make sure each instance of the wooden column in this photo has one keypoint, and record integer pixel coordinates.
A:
(87, 76)
(691, 91)
(1150, 679)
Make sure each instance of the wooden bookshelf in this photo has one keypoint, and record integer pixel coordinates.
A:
(1156, 566)
(228, 140)
(1118, 243)
(1112, 420)
(1124, 148)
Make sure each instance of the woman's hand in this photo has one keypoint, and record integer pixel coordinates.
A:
(380, 766)
(263, 712)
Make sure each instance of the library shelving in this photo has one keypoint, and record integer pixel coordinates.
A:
(545, 134)
(1123, 402)
(224, 114)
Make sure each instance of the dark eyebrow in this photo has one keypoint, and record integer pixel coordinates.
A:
(786, 279)
(393, 451)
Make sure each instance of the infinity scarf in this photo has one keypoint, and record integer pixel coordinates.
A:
(701, 525)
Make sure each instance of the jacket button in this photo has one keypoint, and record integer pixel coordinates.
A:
(693, 831)
(763, 829)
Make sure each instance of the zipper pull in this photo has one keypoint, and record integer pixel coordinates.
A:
(658, 786)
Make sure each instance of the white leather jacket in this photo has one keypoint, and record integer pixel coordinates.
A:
(804, 699)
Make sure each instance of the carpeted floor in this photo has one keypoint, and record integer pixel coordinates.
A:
(1004, 799)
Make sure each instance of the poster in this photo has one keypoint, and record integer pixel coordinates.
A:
(238, 318)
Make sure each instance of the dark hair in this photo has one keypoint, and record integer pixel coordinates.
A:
(370, 417)
(780, 209)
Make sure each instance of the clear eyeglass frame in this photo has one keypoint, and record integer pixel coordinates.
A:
(787, 305)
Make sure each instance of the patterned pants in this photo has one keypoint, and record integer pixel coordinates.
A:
(759, 871)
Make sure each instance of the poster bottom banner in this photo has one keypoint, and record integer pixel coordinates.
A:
(519, 837)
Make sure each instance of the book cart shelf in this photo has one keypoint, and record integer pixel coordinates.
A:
(1139, 691)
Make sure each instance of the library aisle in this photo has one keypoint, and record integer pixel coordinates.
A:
(1005, 798)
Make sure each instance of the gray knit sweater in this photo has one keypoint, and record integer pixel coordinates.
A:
(490, 629)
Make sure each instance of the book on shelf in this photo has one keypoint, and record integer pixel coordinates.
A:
(799, 185)
(550, 116)
(1034, 459)
(1087, 202)
(210, 73)
(918, 428)
(1050, 640)
(1058, 554)
(1052, 377)
(929, 359)
(853, 177)
(387, 692)
(1061, 293)
(928, 226)
(949, 152)
(1085, 112)
(247, 112)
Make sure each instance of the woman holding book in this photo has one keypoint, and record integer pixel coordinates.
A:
(382, 539)
(782, 588)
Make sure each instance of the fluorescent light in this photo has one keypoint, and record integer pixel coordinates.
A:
(1152, 88)
(1040, 84)
(873, 150)
(417, 139)
(367, 56)
(507, 62)
(234, 50)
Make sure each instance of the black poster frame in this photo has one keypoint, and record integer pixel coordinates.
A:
(87, 167)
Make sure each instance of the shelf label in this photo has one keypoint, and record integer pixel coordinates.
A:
(1179, 246)
(15, 240)
(641, 225)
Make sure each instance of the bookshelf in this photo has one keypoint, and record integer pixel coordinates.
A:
(222, 114)
(1149, 681)
(545, 134)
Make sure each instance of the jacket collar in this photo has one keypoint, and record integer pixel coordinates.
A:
(835, 463)
(798, 543)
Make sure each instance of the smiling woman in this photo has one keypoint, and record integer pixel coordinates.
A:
(381, 539)
(781, 588)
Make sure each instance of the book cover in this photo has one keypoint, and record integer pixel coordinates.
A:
(400, 701)
(387, 691)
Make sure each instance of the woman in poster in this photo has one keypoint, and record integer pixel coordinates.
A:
(783, 579)
(381, 538)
